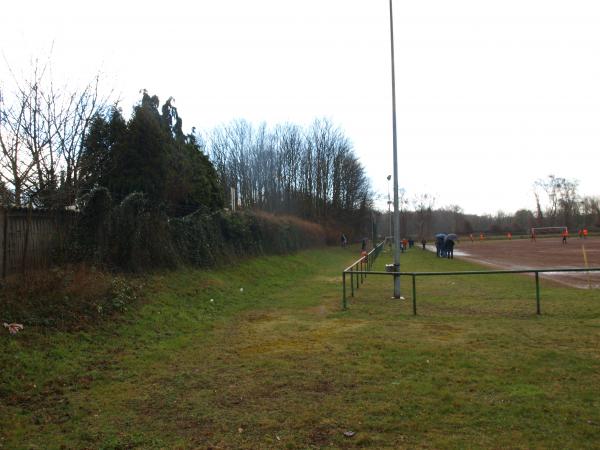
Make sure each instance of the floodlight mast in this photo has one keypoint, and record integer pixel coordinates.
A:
(396, 210)
(389, 203)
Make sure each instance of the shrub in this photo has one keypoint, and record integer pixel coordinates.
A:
(68, 298)
(93, 227)
(204, 239)
(140, 237)
(137, 236)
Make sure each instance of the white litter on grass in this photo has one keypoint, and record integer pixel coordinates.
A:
(13, 328)
(241, 289)
(212, 300)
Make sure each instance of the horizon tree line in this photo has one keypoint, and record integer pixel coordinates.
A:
(557, 203)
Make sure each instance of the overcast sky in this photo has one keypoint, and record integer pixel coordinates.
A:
(490, 95)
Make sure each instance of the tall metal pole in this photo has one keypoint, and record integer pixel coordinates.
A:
(389, 202)
(390, 217)
(396, 210)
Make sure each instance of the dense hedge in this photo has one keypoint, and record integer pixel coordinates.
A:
(137, 236)
(206, 239)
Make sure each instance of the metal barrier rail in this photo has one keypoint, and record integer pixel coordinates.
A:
(414, 276)
(363, 262)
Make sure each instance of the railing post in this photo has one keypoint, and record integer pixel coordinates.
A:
(352, 281)
(414, 286)
(362, 269)
(537, 292)
(357, 281)
(344, 290)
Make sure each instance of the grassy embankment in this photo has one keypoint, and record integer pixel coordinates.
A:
(280, 366)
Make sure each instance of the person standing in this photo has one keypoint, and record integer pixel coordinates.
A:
(449, 244)
(423, 243)
(564, 235)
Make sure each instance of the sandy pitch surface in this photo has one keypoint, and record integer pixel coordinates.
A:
(543, 253)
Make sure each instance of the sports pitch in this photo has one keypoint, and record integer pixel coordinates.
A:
(548, 252)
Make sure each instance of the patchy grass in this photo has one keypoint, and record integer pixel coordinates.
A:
(279, 365)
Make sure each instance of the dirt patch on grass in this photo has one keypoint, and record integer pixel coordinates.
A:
(442, 332)
(324, 309)
(288, 335)
(320, 436)
(332, 280)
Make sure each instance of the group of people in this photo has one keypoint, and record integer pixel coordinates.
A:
(481, 237)
(582, 233)
(406, 244)
(444, 247)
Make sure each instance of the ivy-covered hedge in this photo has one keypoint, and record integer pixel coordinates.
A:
(207, 239)
(137, 236)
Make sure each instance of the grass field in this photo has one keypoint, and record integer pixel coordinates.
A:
(279, 365)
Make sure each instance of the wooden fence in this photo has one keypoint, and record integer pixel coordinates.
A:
(32, 238)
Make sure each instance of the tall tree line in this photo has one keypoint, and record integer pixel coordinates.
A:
(59, 143)
(311, 172)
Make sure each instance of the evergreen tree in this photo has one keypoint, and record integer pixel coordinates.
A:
(104, 134)
(151, 154)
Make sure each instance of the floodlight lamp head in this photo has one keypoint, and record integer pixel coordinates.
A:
(389, 177)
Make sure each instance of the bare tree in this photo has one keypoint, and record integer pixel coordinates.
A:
(423, 207)
(72, 122)
(312, 173)
(16, 165)
(590, 211)
(562, 197)
(41, 136)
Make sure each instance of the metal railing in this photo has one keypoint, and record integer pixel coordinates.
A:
(360, 268)
(414, 276)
